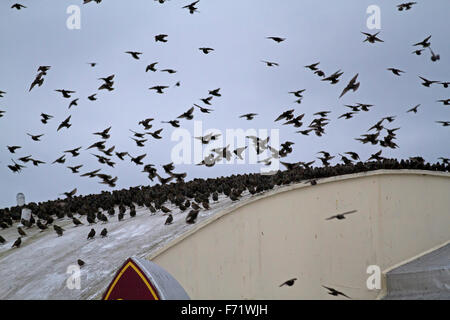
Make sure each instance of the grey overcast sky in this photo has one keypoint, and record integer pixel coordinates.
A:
(325, 31)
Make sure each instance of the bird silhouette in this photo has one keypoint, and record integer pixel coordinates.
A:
(395, 71)
(289, 282)
(36, 137)
(426, 82)
(341, 216)
(335, 292)
(249, 116)
(188, 115)
(159, 89)
(18, 6)
(151, 67)
(134, 54)
(65, 93)
(206, 50)
(352, 85)
(191, 7)
(169, 219)
(424, 43)
(91, 234)
(371, 38)
(276, 39)
(405, 6)
(270, 64)
(161, 38)
(414, 109)
(12, 149)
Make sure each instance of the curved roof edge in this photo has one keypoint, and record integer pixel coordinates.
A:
(291, 187)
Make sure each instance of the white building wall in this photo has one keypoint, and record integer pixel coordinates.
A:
(247, 251)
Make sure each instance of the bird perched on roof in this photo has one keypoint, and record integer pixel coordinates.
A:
(17, 243)
(91, 234)
(192, 216)
(169, 219)
(76, 222)
(58, 230)
(21, 232)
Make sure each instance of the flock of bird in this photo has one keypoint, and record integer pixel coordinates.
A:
(195, 195)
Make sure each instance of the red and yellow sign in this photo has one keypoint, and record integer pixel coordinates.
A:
(131, 283)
